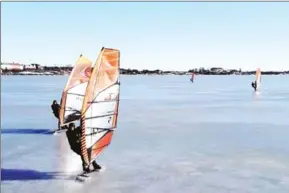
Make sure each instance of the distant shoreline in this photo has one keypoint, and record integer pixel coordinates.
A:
(65, 71)
(38, 74)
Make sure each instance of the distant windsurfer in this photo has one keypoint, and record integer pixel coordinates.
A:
(254, 85)
(192, 78)
(55, 109)
(74, 137)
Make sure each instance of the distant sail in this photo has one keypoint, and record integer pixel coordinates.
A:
(193, 77)
(258, 78)
(100, 106)
(73, 93)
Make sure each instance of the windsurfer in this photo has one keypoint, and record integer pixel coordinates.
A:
(254, 85)
(55, 109)
(74, 137)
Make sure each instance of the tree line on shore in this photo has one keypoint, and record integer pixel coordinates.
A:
(61, 70)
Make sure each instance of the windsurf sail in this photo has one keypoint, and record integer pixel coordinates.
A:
(100, 105)
(193, 77)
(258, 78)
(74, 90)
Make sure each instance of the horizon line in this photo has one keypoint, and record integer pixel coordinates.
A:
(131, 68)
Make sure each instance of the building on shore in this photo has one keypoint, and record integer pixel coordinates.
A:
(30, 67)
(19, 67)
(12, 67)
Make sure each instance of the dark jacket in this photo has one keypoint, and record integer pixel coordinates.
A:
(55, 109)
(74, 137)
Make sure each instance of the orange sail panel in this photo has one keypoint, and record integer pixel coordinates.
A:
(100, 105)
(74, 90)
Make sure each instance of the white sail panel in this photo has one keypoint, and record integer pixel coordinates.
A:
(74, 101)
(98, 113)
(93, 137)
(109, 93)
(101, 111)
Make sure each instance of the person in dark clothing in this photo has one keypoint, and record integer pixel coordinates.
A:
(55, 109)
(74, 139)
(254, 85)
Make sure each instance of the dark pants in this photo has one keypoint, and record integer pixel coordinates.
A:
(59, 125)
(77, 149)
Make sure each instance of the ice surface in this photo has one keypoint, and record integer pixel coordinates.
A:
(212, 136)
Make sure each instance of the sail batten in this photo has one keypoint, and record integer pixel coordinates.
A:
(76, 94)
(100, 105)
(100, 116)
(105, 101)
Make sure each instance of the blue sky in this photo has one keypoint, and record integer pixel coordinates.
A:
(169, 36)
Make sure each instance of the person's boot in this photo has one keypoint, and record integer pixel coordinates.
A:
(96, 166)
(85, 168)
